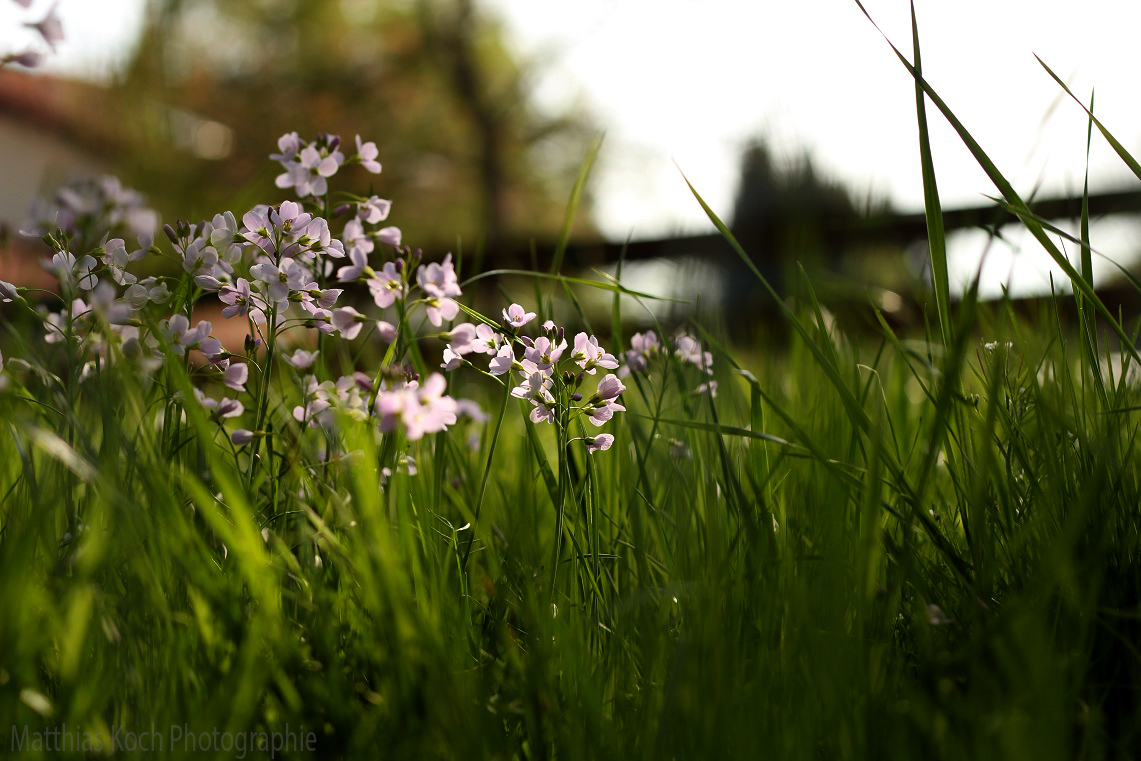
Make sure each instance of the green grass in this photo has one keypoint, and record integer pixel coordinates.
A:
(864, 548)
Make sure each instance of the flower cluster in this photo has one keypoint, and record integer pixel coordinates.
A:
(273, 267)
(309, 165)
(550, 372)
(91, 210)
(645, 349)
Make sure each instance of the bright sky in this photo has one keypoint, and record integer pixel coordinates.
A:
(691, 81)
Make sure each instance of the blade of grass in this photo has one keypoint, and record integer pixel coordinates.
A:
(1017, 205)
(936, 239)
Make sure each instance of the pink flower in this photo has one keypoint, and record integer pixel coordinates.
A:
(544, 410)
(237, 298)
(375, 209)
(236, 376)
(543, 353)
(461, 338)
(536, 385)
(348, 322)
(441, 310)
(503, 361)
(367, 154)
(642, 348)
(386, 331)
(386, 286)
(687, 349)
(486, 340)
(589, 355)
(516, 316)
(420, 409)
(451, 360)
(9, 292)
(599, 443)
(301, 359)
(439, 280)
(241, 437)
(609, 388)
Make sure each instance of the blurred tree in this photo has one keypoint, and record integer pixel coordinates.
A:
(465, 153)
(770, 194)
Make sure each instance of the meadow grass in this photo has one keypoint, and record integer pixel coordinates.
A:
(863, 547)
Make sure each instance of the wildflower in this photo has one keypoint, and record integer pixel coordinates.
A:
(609, 388)
(642, 348)
(238, 298)
(543, 353)
(290, 145)
(441, 310)
(589, 355)
(516, 316)
(348, 322)
(536, 385)
(236, 376)
(420, 409)
(374, 210)
(241, 437)
(301, 359)
(317, 409)
(599, 443)
(259, 229)
(544, 409)
(9, 292)
(281, 279)
(388, 236)
(451, 360)
(111, 309)
(76, 273)
(486, 340)
(313, 298)
(178, 332)
(219, 408)
(439, 280)
(602, 405)
(461, 338)
(317, 240)
(386, 331)
(198, 258)
(503, 361)
(386, 286)
(115, 258)
(432, 412)
(359, 244)
(367, 153)
(56, 323)
(687, 349)
(308, 168)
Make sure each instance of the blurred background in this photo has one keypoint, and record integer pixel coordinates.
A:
(794, 120)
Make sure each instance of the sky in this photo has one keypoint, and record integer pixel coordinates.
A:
(681, 86)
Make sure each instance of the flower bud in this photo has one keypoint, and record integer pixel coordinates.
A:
(170, 233)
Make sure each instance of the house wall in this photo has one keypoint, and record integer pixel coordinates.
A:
(33, 163)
